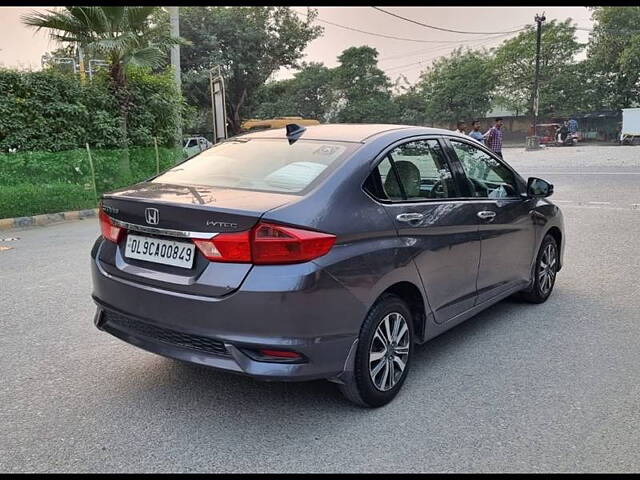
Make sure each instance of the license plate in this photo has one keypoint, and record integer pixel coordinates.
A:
(167, 252)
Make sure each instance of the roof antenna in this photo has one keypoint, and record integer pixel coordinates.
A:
(294, 131)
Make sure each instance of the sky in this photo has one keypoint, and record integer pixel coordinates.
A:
(22, 47)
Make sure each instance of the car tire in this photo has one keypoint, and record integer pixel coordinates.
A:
(544, 273)
(378, 374)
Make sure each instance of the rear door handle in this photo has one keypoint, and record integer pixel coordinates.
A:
(409, 217)
(486, 215)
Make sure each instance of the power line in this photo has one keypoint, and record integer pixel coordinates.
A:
(444, 29)
(476, 41)
(381, 34)
(423, 61)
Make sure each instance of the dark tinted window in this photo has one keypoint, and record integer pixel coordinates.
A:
(262, 164)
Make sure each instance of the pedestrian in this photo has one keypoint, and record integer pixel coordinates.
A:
(563, 131)
(475, 132)
(461, 128)
(493, 138)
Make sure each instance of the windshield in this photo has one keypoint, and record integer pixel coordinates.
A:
(260, 164)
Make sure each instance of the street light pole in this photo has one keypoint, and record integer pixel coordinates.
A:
(534, 107)
(174, 18)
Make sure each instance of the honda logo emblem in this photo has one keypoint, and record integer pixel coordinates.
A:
(152, 216)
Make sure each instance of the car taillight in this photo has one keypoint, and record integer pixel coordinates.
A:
(278, 244)
(109, 230)
(226, 247)
(267, 244)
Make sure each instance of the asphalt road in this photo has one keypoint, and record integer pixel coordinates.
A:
(551, 387)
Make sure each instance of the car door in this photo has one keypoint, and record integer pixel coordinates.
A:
(504, 215)
(414, 181)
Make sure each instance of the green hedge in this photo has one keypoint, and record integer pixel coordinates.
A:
(33, 183)
(53, 111)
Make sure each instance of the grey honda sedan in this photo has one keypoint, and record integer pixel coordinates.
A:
(325, 252)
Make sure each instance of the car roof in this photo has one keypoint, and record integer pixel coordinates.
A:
(345, 132)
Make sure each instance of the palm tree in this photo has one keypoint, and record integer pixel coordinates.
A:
(122, 35)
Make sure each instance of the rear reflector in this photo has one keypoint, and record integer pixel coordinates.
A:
(267, 244)
(109, 230)
(279, 353)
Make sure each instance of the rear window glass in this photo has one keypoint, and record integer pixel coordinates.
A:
(266, 164)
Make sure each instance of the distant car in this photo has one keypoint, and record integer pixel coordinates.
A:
(321, 253)
(194, 145)
(278, 122)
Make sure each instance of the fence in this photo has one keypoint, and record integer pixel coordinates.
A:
(33, 183)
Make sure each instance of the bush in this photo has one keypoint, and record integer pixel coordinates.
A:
(53, 111)
(28, 199)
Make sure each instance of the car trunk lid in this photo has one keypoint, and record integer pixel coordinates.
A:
(180, 213)
(191, 208)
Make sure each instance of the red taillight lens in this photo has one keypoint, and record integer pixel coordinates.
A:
(226, 247)
(278, 244)
(109, 230)
(267, 244)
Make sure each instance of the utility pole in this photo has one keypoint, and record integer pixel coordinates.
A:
(536, 94)
(174, 17)
(81, 62)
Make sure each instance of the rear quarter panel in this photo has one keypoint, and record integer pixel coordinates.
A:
(368, 256)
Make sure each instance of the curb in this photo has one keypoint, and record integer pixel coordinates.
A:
(46, 219)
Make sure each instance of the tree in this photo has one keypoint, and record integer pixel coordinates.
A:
(248, 43)
(410, 102)
(124, 35)
(308, 94)
(276, 99)
(458, 87)
(514, 65)
(363, 91)
(613, 56)
(572, 90)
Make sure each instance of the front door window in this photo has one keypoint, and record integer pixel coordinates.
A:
(487, 177)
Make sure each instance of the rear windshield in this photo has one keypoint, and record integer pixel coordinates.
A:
(270, 165)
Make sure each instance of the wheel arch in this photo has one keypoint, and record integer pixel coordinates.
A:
(412, 295)
(557, 236)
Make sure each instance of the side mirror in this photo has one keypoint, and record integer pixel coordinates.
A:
(538, 188)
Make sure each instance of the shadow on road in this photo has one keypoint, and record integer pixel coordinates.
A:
(169, 382)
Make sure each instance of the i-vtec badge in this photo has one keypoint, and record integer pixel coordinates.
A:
(211, 223)
(152, 216)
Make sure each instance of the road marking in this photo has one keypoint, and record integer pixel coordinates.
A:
(600, 203)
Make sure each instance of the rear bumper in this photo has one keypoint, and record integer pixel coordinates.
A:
(298, 307)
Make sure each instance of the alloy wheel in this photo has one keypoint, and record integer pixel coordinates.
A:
(547, 269)
(389, 351)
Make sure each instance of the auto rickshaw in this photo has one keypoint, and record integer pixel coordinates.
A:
(546, 132)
